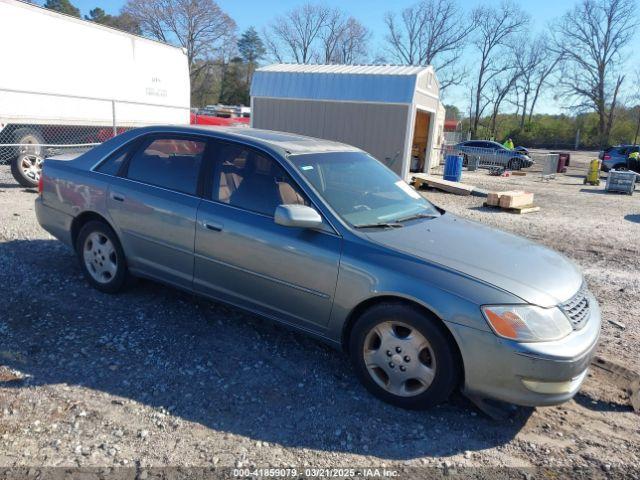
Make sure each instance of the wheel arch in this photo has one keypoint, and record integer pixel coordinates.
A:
(82, 219)
(363, 306)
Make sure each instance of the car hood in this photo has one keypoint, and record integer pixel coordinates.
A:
(530, 271)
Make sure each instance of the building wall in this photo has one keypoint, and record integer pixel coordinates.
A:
(378, 129)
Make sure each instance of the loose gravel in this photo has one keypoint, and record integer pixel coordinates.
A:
(156, 377)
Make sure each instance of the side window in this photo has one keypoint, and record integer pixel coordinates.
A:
(249, 180)
(171, 163)
(112, 164)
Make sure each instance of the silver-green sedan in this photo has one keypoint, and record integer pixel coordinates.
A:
(322, 237)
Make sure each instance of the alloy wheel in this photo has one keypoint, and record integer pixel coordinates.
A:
(31, 166)
(100, 257)
(399, 358)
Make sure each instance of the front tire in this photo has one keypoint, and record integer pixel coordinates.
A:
(403, 356)
(101, 257)
(514, 164)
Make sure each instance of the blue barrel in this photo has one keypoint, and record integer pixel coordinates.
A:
(453, 168)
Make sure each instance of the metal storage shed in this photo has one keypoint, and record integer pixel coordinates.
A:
(392, 112)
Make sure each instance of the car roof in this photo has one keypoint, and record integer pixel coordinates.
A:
(279, 143)
(290, 143)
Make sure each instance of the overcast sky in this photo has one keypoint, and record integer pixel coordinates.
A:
(258, 13)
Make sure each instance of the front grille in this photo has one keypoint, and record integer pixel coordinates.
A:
(577, 308)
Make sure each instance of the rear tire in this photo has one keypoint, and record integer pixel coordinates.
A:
(29, 136)
(26, 169)
(403, 356)
(101, 257)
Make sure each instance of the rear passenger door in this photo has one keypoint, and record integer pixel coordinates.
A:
(153, 202)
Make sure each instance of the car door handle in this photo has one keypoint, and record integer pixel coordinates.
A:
(117, 197)
(215, 227)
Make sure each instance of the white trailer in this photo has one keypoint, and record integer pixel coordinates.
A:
(74, 82)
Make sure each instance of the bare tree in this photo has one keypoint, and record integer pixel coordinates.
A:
(500, 88)
(296, 33)
(535, 63)
(496, 28)
(635, 96)
(344, 39)
(591, 39)
(353, 46)
(432, 32)
(199, 26)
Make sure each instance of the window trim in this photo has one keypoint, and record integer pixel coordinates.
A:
(214, 162)
(146, 140)
(128, 148)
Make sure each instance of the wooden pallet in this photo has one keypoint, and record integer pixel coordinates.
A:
(519, 210)
(456, 188)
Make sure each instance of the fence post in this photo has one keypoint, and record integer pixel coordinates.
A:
(113, 117)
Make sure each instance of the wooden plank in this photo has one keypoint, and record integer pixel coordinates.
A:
(456, 188)
(525, 209)
(518, 173)
(519, 210)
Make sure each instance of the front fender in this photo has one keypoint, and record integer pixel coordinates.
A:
(368, 272)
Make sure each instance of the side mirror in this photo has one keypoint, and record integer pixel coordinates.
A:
(299, 216)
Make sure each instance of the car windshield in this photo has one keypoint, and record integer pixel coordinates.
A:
(362, 190)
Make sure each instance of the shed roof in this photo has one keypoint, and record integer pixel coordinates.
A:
(357, 83)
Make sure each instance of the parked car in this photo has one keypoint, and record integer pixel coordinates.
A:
(492, 154)
(616, 157)
(522, 150)
(322, 237)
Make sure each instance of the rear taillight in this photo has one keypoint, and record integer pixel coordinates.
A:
(606, 157)
(40, 185)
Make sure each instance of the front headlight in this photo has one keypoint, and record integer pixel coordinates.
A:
(527, 323)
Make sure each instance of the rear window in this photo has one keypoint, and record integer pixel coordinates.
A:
(171, 163)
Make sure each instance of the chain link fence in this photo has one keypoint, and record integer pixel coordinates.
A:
(474, 158)
(36, 125)
(488, 158)
(49, 140)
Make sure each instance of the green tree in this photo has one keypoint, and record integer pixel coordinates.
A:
(251, 50)
(97, 15)
(123, 21)
(452, 112)
(233, 89)
(63, 6)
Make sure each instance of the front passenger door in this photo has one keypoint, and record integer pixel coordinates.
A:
(242, 256)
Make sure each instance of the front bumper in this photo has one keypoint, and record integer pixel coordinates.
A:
(530, 374)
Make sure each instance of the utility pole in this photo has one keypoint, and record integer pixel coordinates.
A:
(635, 139)
(577, 139)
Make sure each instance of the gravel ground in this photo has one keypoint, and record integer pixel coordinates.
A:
(155, 377)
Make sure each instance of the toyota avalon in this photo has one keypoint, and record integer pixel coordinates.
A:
(322, 237)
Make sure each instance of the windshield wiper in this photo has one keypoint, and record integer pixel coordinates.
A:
(416, 216)
(379, 225)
